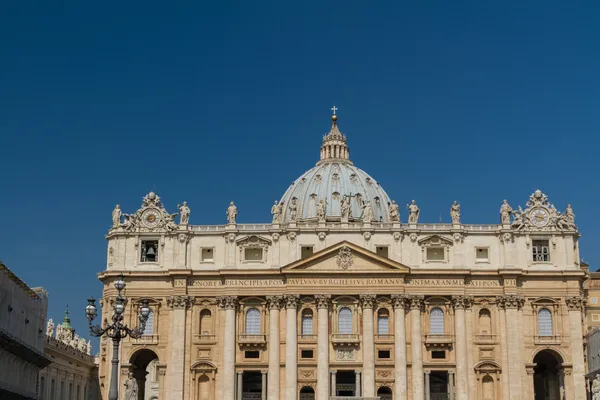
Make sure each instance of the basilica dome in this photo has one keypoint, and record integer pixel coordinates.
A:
(334, 179)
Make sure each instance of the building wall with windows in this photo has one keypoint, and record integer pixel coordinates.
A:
(22, 317)
(337, 296)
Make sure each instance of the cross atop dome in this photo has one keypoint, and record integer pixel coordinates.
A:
(334, 147)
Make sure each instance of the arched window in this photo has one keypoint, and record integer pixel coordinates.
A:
(485, 322)
(253, 322)
(149, 328)
(345, 320)
(384, 393)
(544, 322)
(205, 322)
(383, 322)
(436, 321)
(307, 322)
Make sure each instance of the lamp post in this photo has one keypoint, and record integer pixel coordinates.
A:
(117, 330)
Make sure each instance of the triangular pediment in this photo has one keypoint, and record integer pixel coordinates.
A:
(345, 257)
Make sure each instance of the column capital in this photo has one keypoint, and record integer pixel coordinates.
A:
(239, 372)
(462, 302)
(263, 372)
(334, 372)
(274, 302)
(510, 301)
(576, 303)
(415, 302)
(367, 300)
(323, 300)
(399, 300)
(227, 302)
(291, 301)
(180, 301)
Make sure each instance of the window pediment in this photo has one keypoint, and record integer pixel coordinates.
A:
(253, 241)
(435, 241)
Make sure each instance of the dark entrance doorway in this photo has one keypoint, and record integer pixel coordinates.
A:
(345, 383)
(547, 378)
(307, 393)
(438, 385)
(384, 393)
(143, 363)
(251, 385)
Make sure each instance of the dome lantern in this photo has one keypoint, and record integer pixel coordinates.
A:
(334, 147)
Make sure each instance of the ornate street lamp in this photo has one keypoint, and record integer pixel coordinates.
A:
(117, 330)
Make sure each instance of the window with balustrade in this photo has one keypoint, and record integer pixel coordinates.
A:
(383, 322)
(544, 322)
(345, 320)
(253, 322)
(307, 322)
(436, 321)
(149, 328)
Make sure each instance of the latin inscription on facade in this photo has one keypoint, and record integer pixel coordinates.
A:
(342, 282)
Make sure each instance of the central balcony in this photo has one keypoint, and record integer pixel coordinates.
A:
(384, 338)
(307, 338)
(252, 340)
(345, 339)
(442, 340)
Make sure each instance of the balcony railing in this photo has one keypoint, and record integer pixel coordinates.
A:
(252, 340)
(205, 339)
(146, 339)
(439, 340)
(486, 339)
(307, 338)
(345, 338)
(554, 339)
(384, 338)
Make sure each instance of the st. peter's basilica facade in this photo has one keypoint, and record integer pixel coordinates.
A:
(339, 297)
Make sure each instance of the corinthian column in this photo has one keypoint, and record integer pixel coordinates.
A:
(274, 303)
(512, 304)
(291, 346)
(416, 304)
(575, 305)
(179, 305)
(229, 304)
(400, 380)
(323, 301)
(462, 351)
(366, 301)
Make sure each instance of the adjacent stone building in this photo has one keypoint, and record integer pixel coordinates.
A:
(73, 373)
(339, 296)
(22, 319)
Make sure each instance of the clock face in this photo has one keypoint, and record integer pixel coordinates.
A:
(539, 217)
(151, 217)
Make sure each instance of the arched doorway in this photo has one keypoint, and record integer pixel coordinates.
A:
(203, 378)
(548, 377)
(384, 393)
(144, 365)
(307, 393)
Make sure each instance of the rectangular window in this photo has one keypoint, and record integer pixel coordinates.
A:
(208, 255)
(149, 251)
(253, 254)
(541, 251)
(438, 355)
(435, 254)
(481, 254)
(596, 317)
(593, 300)
(252, 354)
(306, 354)
(384, 354)
(382, 251)
(306, 252)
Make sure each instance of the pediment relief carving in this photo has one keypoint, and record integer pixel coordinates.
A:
(253, 241)
(435, 241)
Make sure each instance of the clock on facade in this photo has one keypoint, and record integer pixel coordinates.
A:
(151, 217)
(539, 217)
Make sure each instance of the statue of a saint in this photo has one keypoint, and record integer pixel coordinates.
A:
(58, 332)
(345, 208)
(116, 216)
(413, 212)
(88, 348)
(505, 211)
(50, 328)
(293, 210)
(455, 212)
(131, 388)
(276, 210)
(184, 213)
(321, 207)
(596, 388)
(570, 214)
(231, 213)
(82, 345)
(394, 211)
(368, 213)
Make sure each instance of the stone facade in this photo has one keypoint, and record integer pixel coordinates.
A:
(22, 317)
(344, 299)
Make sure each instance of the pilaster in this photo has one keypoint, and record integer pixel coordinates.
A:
(229, 305)
(576, 305)
(323, 304)
(400, 379)
(416, 306)
(461, 303)
(512, 306)
(179, 305)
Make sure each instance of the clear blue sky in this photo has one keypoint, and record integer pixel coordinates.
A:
(209, 102)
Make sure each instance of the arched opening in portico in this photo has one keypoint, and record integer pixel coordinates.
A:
(548, 379)
(307, 393)
(144, 364)
(384, 393)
